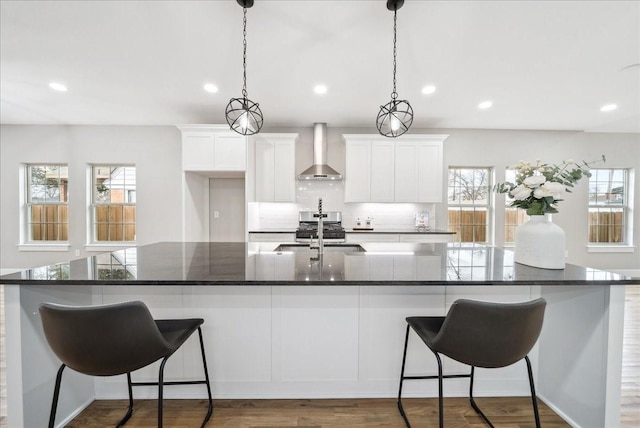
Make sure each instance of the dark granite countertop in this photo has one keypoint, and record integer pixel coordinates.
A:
(401, 231)
(382, 231)
(274, 231)
(205, 263)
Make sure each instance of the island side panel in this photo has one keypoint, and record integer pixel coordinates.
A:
(383, 310)
(315, 341)
(34, 365)
(574, 354)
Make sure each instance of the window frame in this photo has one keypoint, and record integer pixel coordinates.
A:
(627, 214)
(27, 241)
(92, 227)
(489, 206)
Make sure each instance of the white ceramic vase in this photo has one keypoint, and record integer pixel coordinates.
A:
(540, 243)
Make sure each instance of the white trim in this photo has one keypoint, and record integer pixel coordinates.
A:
(107, 247)
(44, 247)
(611, 248)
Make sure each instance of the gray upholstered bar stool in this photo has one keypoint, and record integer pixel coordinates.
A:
(117, 339)
(479, 334)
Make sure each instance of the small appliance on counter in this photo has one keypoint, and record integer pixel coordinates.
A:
(422, 222)
(364, 224)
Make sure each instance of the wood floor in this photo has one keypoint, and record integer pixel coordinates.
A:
(630, 394)
(504, 412)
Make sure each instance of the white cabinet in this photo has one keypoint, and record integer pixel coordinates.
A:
(382, 168)
(371, 237)
(212, 148)
(427, 238)
(275, 167)
(418, 172)
(369, 165)
(406, 169)
(357, 187)
(272, 237)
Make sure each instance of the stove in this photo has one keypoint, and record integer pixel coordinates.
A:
(308, 227)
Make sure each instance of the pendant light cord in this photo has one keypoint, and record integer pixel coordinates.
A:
(244, 55)
(394, 94)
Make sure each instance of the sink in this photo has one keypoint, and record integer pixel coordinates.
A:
(328, 248)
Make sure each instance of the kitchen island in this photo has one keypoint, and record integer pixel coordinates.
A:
(281, 323)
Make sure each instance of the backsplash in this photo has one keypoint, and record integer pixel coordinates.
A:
(386, 216)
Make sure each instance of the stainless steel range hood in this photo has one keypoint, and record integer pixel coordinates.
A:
(320, 171)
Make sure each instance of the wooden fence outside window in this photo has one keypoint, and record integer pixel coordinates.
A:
(470, 225)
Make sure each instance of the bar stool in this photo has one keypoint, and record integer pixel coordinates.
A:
(479, 334)
(117, 339)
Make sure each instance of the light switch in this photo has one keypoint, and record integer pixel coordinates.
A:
(216, 214)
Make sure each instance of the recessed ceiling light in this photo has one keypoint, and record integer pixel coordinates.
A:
(320, 89)
(211, 88)
(58, 87)
(609, 107)
(485, 105)
(429, 89)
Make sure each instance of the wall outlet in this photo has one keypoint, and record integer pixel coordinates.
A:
(216, 214)
(77, 253)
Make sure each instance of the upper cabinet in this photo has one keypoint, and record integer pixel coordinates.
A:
(405, 169)
(212, 148)
(275, 167)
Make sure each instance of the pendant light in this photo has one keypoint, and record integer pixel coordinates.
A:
(395, 117)
(243, 115)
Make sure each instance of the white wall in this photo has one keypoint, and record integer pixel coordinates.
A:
(156, 153)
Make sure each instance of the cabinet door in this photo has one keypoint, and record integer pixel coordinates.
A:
(430, 172)
(382, 171)
(284, 178)
(418, 171)
(406, 172)
(265, 170)
(230, 153)
(357, 186)
(275, 170)
(197, 151)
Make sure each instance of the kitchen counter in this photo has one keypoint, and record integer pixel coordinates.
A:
(249, 264)
(280, 325)
(352, 230)
(401, 231)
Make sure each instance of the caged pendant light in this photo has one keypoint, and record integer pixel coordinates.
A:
(243, 115)
(395, 117)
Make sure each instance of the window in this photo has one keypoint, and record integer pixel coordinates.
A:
(469, 203)
(47, 202)
(113, 203)
(513, 216)
(608, 206)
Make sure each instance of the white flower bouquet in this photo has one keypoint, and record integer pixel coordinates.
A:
(539, 187)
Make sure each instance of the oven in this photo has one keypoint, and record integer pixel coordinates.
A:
(308, 227)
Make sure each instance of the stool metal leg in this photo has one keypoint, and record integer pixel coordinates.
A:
(160, 387)
(56, 394)
(534, 399)
(206, 376)
(440, 391)
(130, 409)
(404, 359)
(473, 401)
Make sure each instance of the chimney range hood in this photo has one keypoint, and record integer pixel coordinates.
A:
(320, 171)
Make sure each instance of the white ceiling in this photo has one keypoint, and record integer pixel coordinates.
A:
(544, 64)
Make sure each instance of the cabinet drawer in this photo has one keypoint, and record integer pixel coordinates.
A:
(372, 237)
(272, 237)
(426, 238)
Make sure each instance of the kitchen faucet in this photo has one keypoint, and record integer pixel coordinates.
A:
(320, 217)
